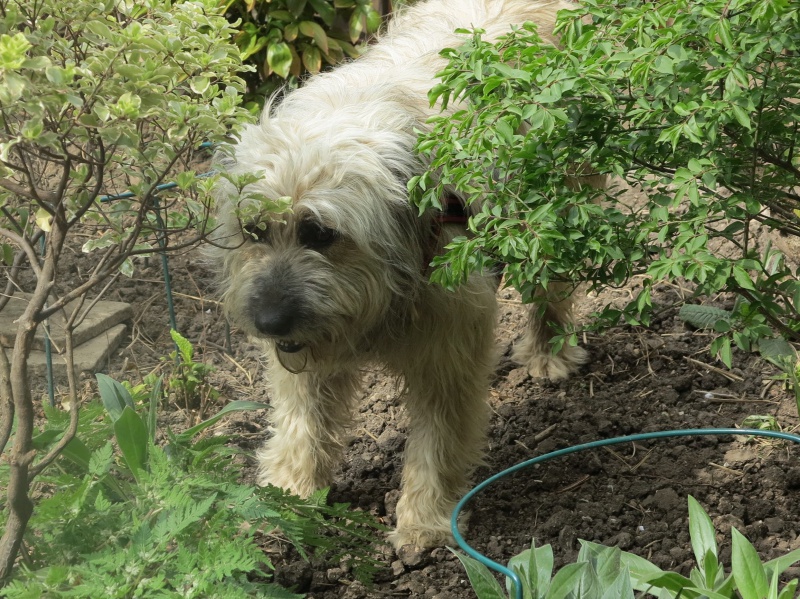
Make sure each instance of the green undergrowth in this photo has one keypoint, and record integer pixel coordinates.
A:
(602, 572)
(130, 510)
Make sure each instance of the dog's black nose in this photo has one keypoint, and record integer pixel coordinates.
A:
(276, 321)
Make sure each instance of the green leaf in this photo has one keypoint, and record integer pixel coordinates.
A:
(778, 351)
(789, 590)
(325, 11)
(702, 317)
(480, 577)
(132, 439)
(296, 7)
(312, 59)
(702, 534)
(356, 25)
(279, 58)
(779, 564)
(748, 571)
(535, 567)
(234, 406)
(184, 346)
(742, 278)
(640, 570)
(78, 453)
(114, 395)
(620, 588)
(567, 581)
(313, 30)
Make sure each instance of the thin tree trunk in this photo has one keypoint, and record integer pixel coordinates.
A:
(19, 505)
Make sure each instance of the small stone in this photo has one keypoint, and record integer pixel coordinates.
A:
(398, 568)
(412, 555)
(774, 524)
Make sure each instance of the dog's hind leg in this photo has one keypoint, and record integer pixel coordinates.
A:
(551, 311)
(447, 377)
(310, 415)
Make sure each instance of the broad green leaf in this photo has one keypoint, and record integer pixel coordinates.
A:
(777, 350)
(325, 11)
(640, 569)
(8, 254)
(315, 31)
(296, 7)
(43, 220)
(312, 59)
(114, 395)
(132, 439)
(788, 592)
(620, 588)
(480, 577)
(535, 566)
(671, 581)
(748, 571)
(356, 25)
(46, 438)
(567, 581)
(702, 534)
(742, 278)
(702, 316)
(279, 58)
(78, 453)
(779, 564)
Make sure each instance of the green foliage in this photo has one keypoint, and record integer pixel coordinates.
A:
(689, 102)
(97, 97)
(189, 379)
(130, 518)
(607, 573)
(749, 332)
(284, 39)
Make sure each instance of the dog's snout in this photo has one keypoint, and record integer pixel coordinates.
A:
(275, 320)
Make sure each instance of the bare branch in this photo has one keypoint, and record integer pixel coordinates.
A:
(29, 192)
(6, 400)
(26, 247)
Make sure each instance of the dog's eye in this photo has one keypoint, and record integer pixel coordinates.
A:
(315, 236)
(258, 232)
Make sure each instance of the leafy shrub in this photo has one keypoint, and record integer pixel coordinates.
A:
(608, 573)
(283, 39)
(96, 98)
(131, 518)
(693, 103)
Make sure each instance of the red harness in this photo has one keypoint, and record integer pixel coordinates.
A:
(453, 212)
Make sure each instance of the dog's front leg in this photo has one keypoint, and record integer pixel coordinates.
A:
(446, 403)
(310, 414)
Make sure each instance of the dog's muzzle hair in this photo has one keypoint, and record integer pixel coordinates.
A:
(340, 280)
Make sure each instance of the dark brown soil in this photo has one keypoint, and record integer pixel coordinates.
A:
(632, 496)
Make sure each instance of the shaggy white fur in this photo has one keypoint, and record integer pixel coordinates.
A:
(342, 279)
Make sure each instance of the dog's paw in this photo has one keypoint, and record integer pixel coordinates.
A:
(409, 538)
(556, 367)
(290, 480)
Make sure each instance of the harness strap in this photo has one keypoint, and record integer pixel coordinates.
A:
(453, 212)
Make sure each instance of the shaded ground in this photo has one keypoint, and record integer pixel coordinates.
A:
(633, 496)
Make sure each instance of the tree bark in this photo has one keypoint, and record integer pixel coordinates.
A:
(19, 505)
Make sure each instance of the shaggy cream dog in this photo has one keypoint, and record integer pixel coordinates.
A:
(341, 280)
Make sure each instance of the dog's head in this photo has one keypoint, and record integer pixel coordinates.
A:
(347, 256)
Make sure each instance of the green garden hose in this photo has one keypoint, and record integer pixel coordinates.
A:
(516, 581)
